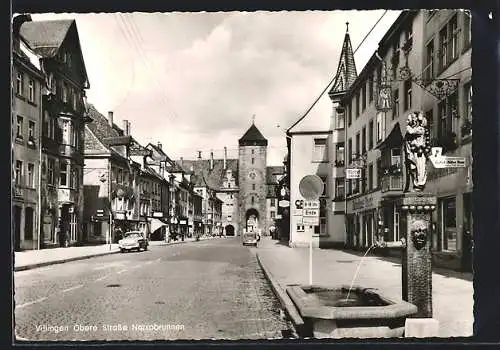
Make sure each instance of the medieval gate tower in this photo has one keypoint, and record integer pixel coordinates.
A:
(252, 181)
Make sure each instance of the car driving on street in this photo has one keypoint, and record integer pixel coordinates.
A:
(250, 238)
(133, 240)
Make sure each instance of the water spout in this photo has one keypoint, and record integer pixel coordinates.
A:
(357, 271)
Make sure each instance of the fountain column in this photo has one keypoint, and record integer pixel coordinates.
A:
(415, 212)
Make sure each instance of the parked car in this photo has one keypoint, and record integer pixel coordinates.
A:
(133, 240)
(250, 238)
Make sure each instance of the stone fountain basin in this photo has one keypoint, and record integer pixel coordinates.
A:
(366, 314)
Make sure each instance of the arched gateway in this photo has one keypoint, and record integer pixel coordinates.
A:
(252, 220)
(229, 230)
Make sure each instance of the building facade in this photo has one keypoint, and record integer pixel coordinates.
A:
(110, 180)
(422, 64)
(447, 55)
(27, 90)
(273, 175)
(64, 116)
(157, 160)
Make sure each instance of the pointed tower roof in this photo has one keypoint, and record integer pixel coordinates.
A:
(253, 137)
(346, 71)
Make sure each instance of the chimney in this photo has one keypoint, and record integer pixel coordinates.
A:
(159, 145)
(199, 154)
(125, 127)
(211, 160)
(225, 157)
(110, 118)
(182, 161)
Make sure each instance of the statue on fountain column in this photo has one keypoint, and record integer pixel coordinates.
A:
(417, 150)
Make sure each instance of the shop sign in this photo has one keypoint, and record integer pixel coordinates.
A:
(183, 222)
(362, 203)
(353, 173)
(157, 214)
(283, 203)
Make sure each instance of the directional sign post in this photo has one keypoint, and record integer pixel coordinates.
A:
(311, 187)
(311, 213)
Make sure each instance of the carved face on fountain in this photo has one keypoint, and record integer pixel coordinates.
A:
(419, 237)
(419, 234)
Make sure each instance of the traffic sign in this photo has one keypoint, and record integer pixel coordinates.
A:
(353, 173)
(311, 212)
(314, 204)
(311, 187)
(310, 220)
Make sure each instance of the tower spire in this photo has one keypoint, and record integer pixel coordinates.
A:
(346, 71)
(253, 119)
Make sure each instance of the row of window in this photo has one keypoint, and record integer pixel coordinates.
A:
(120, 176)
(21, 128)
(69, 136)
(152, 187)
(365, 95)
(144, 209)
(448, 111)
(24, 175)
(68, 174)
(68, 94)
(21, 88)
(449, 44)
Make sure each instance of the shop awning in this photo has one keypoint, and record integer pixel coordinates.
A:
(394, 139)
(156, 224)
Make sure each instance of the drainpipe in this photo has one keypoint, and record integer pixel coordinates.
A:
(39, 207)
(110, 204)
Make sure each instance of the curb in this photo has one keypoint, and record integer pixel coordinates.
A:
(76, 258)
(55, 262)
(285, 300)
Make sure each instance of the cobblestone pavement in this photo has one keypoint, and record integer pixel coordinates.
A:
(204, 290)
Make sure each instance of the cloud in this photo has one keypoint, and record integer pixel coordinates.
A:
(193, 80)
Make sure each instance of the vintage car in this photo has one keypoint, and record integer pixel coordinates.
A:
(250, 238)
(133, 240)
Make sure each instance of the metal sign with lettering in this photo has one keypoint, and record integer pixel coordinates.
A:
(311, 212)
(439, 161)
(353, 173)
(314, 204)
(310, 220)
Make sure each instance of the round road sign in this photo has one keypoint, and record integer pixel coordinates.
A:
(311, 187)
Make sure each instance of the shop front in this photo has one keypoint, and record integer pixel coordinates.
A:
(362, 220)
(183, 227)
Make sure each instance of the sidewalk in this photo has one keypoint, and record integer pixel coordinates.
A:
(31, 259)
(452, 296)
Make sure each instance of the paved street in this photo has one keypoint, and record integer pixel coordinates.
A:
(202, 290)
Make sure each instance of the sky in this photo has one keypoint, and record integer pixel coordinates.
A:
(195, 81)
